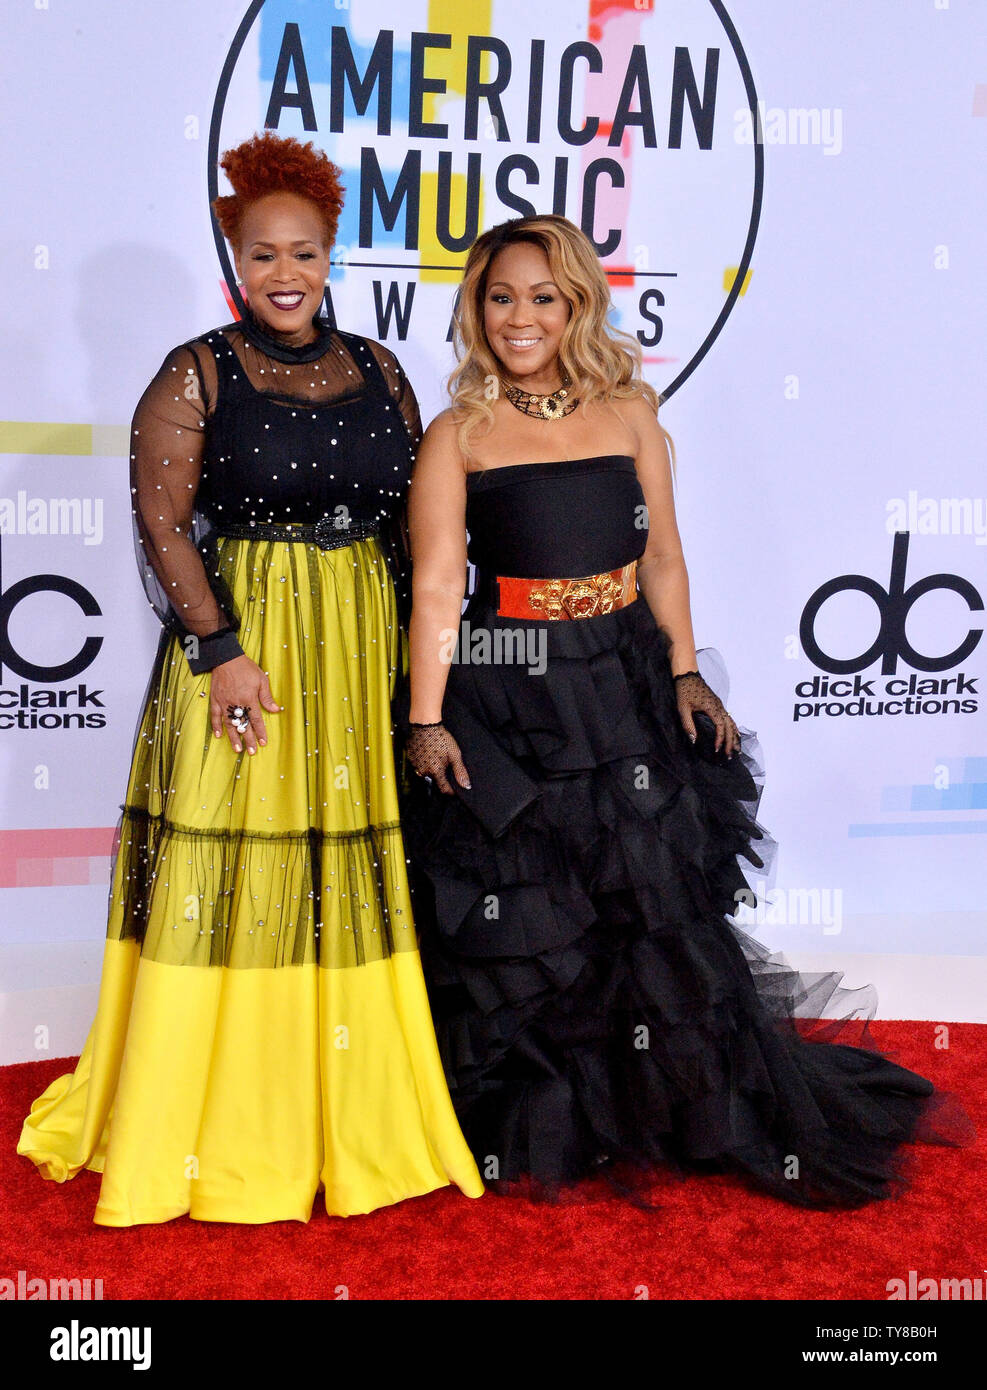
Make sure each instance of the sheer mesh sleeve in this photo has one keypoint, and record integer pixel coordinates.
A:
(166, 452)
(397, 548)
(400, 388)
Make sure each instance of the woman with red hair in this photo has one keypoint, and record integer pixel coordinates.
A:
(263, 1031)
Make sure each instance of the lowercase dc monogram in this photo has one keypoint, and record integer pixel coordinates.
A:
(11, 659)
(889, 693)
(893, 605)
(27, 707)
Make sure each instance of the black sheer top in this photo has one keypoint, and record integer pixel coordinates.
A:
(237, 427)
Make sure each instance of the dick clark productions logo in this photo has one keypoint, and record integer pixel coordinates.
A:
(955, 694)
(42, 706)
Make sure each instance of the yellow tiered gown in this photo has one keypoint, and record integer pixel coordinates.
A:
(270, 1035)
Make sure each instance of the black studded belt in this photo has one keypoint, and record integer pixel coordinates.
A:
(326, 533)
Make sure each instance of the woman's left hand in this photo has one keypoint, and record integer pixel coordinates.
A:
(693, 696)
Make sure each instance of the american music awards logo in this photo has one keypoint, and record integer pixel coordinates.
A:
(932, 679)
(447, 119)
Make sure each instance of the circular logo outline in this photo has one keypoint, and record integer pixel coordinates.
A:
(719, 9)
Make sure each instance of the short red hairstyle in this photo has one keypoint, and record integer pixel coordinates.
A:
(270, 163)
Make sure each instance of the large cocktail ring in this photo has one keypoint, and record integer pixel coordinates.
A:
(239, 717)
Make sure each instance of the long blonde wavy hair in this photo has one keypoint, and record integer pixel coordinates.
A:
(602, 362)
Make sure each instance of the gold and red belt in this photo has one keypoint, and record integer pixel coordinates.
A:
(565, 599)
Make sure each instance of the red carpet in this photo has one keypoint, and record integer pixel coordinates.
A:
(712, 1239)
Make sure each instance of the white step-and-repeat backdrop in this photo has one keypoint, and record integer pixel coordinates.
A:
(790, 202)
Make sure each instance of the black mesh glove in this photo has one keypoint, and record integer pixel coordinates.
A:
(694, 696)
(431, 749)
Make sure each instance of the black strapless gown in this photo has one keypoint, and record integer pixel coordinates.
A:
(595, 1009)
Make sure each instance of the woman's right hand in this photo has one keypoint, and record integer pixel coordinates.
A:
(240, 682)
(432, 750)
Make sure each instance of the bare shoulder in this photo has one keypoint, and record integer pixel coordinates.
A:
(443, 430)
(654, 447)
(441, 440)
(637, 415)
(444, 423)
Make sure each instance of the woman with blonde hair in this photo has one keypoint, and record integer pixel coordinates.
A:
(585, 796)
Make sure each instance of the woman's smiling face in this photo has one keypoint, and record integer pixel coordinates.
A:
(524, 315)
(283, 262)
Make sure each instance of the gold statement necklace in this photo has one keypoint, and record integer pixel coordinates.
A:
(552, 406)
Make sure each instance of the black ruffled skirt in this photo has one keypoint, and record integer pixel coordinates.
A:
(596, 1010)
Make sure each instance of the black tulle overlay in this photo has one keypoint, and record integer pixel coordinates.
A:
(597, 1010)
